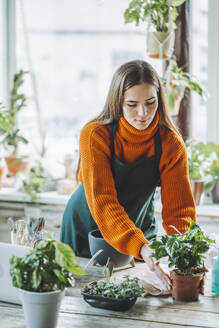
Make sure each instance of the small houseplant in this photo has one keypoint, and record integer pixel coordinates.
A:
(35, 181)
(41, 277)
(112, 296)
(6, 124)
(14, 137)
(161, 16)
(186, 253)
(175, 82)
(203, 159)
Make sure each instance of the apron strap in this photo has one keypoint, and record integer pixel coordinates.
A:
(112, 136)
(157, 143)
(158, 152)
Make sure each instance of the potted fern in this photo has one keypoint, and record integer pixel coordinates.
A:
(161, 17)
(186, 253)
(6, 125)
(41, 277)
(14, 137)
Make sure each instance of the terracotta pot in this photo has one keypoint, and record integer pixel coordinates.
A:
(16, 164)
(197, 188)
(186, 288)
(1, 176)
(215, 193)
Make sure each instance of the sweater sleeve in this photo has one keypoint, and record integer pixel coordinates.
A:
(112, 220)
(176, 195)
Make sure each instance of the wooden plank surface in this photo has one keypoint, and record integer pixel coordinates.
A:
(154, 312)
(13, 318)
(144, 311)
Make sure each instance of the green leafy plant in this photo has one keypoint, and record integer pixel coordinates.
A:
(17, 102)
(176, 81)
(157, 10)
(6, 121)
(50, 266)
(185, 252)
(203, 159)
(196, 159)
(127, 289)
(35, 181)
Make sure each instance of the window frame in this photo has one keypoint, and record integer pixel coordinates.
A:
(8, 48)
(213, 72)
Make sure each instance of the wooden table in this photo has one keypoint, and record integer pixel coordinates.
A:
(153, 312)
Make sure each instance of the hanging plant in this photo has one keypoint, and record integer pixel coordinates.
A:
(161, 17)
(157, 11)
(175, 82)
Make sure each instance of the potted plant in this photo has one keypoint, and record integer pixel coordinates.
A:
(214, 171)
(35, 182)
(175, 82)
(197, 167)
(41, 277)
(109, 254)
(112, 296)
(11, 140)
(203, 159)
(161, 16)
(212, 174)
(186, 253)
(6, 124)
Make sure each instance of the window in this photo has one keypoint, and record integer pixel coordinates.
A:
(72, 52)
(199, 50)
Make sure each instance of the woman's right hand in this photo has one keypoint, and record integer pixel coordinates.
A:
(146, 253)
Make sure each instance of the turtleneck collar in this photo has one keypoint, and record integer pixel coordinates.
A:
(131, 134)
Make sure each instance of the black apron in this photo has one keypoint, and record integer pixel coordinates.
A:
(135, 184)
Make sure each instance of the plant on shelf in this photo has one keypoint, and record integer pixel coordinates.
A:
(161, 16)
(35, 182)
(110, 295)
(41, 277)
(186, 253)
(203, 159)
(6, 124)
(175, 82)
(6, 121)
(14, 137)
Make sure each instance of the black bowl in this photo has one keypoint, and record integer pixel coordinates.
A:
(97, 242)
(112, 304)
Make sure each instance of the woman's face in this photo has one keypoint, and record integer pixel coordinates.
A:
(140, 105)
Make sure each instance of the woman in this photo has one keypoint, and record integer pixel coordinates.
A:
(125, 152)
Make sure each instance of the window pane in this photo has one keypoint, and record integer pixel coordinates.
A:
(199, 64)
(72, 50)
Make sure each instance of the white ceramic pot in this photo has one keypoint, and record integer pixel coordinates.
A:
(41, 309)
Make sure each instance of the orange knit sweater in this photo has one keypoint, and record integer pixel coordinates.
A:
(130, 145)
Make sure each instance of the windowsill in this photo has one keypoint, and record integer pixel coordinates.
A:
(51, 197)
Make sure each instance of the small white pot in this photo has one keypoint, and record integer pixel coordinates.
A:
(41, 309)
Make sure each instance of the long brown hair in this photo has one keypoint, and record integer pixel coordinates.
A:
(126, 76)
